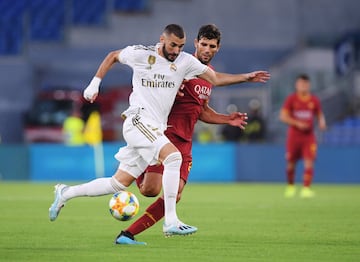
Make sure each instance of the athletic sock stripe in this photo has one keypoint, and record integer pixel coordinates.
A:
(150, 216)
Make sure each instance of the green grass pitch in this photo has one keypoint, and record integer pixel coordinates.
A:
(237, 222)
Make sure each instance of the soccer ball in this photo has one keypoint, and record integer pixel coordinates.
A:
(123, 205)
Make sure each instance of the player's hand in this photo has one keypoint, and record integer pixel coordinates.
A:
(302, 125)
(92, 90)
(258, 76)
(238, 119)
(322, 125)
(180, 91)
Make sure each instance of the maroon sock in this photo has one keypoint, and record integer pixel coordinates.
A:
(308, 176)
(153, 214)
(290, 175)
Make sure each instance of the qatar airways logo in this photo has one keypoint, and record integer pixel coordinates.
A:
(203, 91)
(303, 114)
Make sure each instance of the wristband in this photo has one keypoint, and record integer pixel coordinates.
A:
(95, 81)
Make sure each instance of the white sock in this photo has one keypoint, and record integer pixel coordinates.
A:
(96, 187)
(170, 181)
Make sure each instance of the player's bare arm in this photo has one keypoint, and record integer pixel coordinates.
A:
(223, 79)
(210, 116)
(322, 122)
(107, 63)
(92, 90)
(287, 119)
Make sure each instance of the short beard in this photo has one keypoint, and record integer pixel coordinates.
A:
(166, 54)
(203, 62)
(198, 56)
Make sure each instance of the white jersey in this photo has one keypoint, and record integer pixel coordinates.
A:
(156, 80)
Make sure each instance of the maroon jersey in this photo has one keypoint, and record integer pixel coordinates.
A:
(301, 143)
(304, 109)
(186, 109)
(181, 122)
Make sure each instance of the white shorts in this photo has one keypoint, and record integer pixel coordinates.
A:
(145, 138)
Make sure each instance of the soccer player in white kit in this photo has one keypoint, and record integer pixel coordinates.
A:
(158, 72)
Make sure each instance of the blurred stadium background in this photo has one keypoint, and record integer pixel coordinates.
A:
(51, 45)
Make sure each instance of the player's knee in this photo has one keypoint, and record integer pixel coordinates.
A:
(173, 161)
(150, 190)
(308, 163)
(290, 165)
(148, 193)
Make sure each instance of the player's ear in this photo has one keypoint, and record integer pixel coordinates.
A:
(162, 38)
(196, 42)
(219, 45)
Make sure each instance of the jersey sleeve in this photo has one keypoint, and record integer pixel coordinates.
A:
(287, 106)
(195, 67)
(127, 55)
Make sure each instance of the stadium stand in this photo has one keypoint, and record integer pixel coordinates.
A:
(87, 13)
(11, 27)
(24, 21)
(52, 42)
(131, 5)
(47, 20)
(345, 132)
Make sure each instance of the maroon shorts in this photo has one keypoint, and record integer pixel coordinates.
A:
(301, 147)
(184, 169)
(185, 148)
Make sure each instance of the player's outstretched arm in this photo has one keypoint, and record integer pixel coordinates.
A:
(223, 79)
(210, 116)
(92, 90)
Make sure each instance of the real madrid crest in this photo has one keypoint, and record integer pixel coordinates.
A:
(151, 61)
(173, 67)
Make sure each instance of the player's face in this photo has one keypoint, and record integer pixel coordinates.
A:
(206, 49)
(302, 86)
(171, 46)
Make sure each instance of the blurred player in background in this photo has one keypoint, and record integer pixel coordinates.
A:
(158, 72)
(299, 111)
(73, 129)
(186, 111)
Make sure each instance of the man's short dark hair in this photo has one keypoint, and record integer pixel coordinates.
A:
(209, 32)
(303, 77)
(175, 29)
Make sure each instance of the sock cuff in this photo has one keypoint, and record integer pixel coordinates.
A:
(173, 157)
(116, 185)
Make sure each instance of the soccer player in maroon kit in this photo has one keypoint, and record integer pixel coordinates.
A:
(191, 106)
(299, 111)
